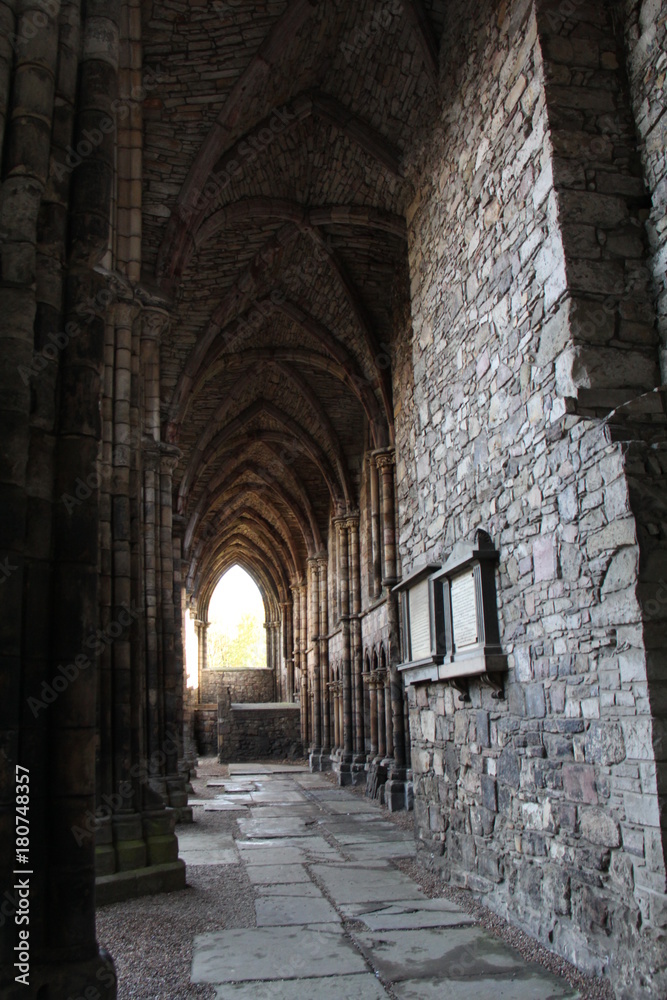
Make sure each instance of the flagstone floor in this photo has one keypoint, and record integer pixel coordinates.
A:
(335, 919)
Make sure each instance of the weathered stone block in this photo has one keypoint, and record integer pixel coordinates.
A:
(579, 783)
(599, 828)
(604, 743)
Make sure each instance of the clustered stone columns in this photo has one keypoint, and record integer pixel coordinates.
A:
(287, 648)
(376, 540)
(141, 788)
(320, 720)
(273, 654)
(201, 629)
(54, 224)
(395, 788)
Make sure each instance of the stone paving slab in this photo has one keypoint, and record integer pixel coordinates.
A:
(363, 986)
(209, 857)
(526, 986)
(272, 953)
(273, 798)
(284, 911)
(370, 852)
(315, 846)
(458, 953)
(279, 856)
(237, 804)
(276, 874)
(362, 836)
(348, 883)
(274, 827)
(192, 838)
(236, 769)
(408, 915)
(354, 806)
(307, 810)
(301, 889)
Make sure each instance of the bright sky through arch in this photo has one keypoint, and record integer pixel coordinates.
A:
(236, 595)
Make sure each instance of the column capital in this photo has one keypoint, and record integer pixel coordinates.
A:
(386, 458)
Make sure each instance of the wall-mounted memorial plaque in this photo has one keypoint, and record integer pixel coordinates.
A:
(463, 617)
(417, 616)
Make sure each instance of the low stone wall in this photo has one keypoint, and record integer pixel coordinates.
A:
(254, 732)
(206, 728)
(256, 686)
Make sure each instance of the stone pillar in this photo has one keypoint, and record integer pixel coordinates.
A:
(201, 628)
(395, 789)
(376, 541)
(389, 722)
(381, 714)
(300, 633)
(336, 717)
(171, 734)
(355, 646)
(322, 566)
(347, 736)
(288, 657)
(314, 632)
(385, 461)
(373, 699)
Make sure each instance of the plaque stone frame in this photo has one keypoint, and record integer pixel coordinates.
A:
(465, 636)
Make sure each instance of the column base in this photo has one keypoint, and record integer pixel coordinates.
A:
(348, 769)
(142, 882)
(398, 791)
(137, 854)
(320, 759)
(95, 977)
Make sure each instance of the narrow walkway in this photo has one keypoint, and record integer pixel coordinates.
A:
(335, 919)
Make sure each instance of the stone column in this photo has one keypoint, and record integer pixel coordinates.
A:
(347, 737)
(201, 628)
(286, 614)
(355, 643)
(303, 662)
(389, 722)
(373, 699)
(314, 632)
(385, 461)
(381, 714)
(336, 718)
(376, 543)
(171, 735)
(322, 566)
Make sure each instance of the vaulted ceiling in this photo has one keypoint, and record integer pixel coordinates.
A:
(274, 205)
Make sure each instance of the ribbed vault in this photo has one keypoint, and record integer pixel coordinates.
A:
(274, 225)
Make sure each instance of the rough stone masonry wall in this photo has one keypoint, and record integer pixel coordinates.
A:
(257, 733)
(244, 685)
(547, 802)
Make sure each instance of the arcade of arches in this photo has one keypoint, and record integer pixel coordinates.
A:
(320, 289)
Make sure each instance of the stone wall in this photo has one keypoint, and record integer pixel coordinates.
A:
(525, 336)
(257, 732)
(206, 729)
(244, 685)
